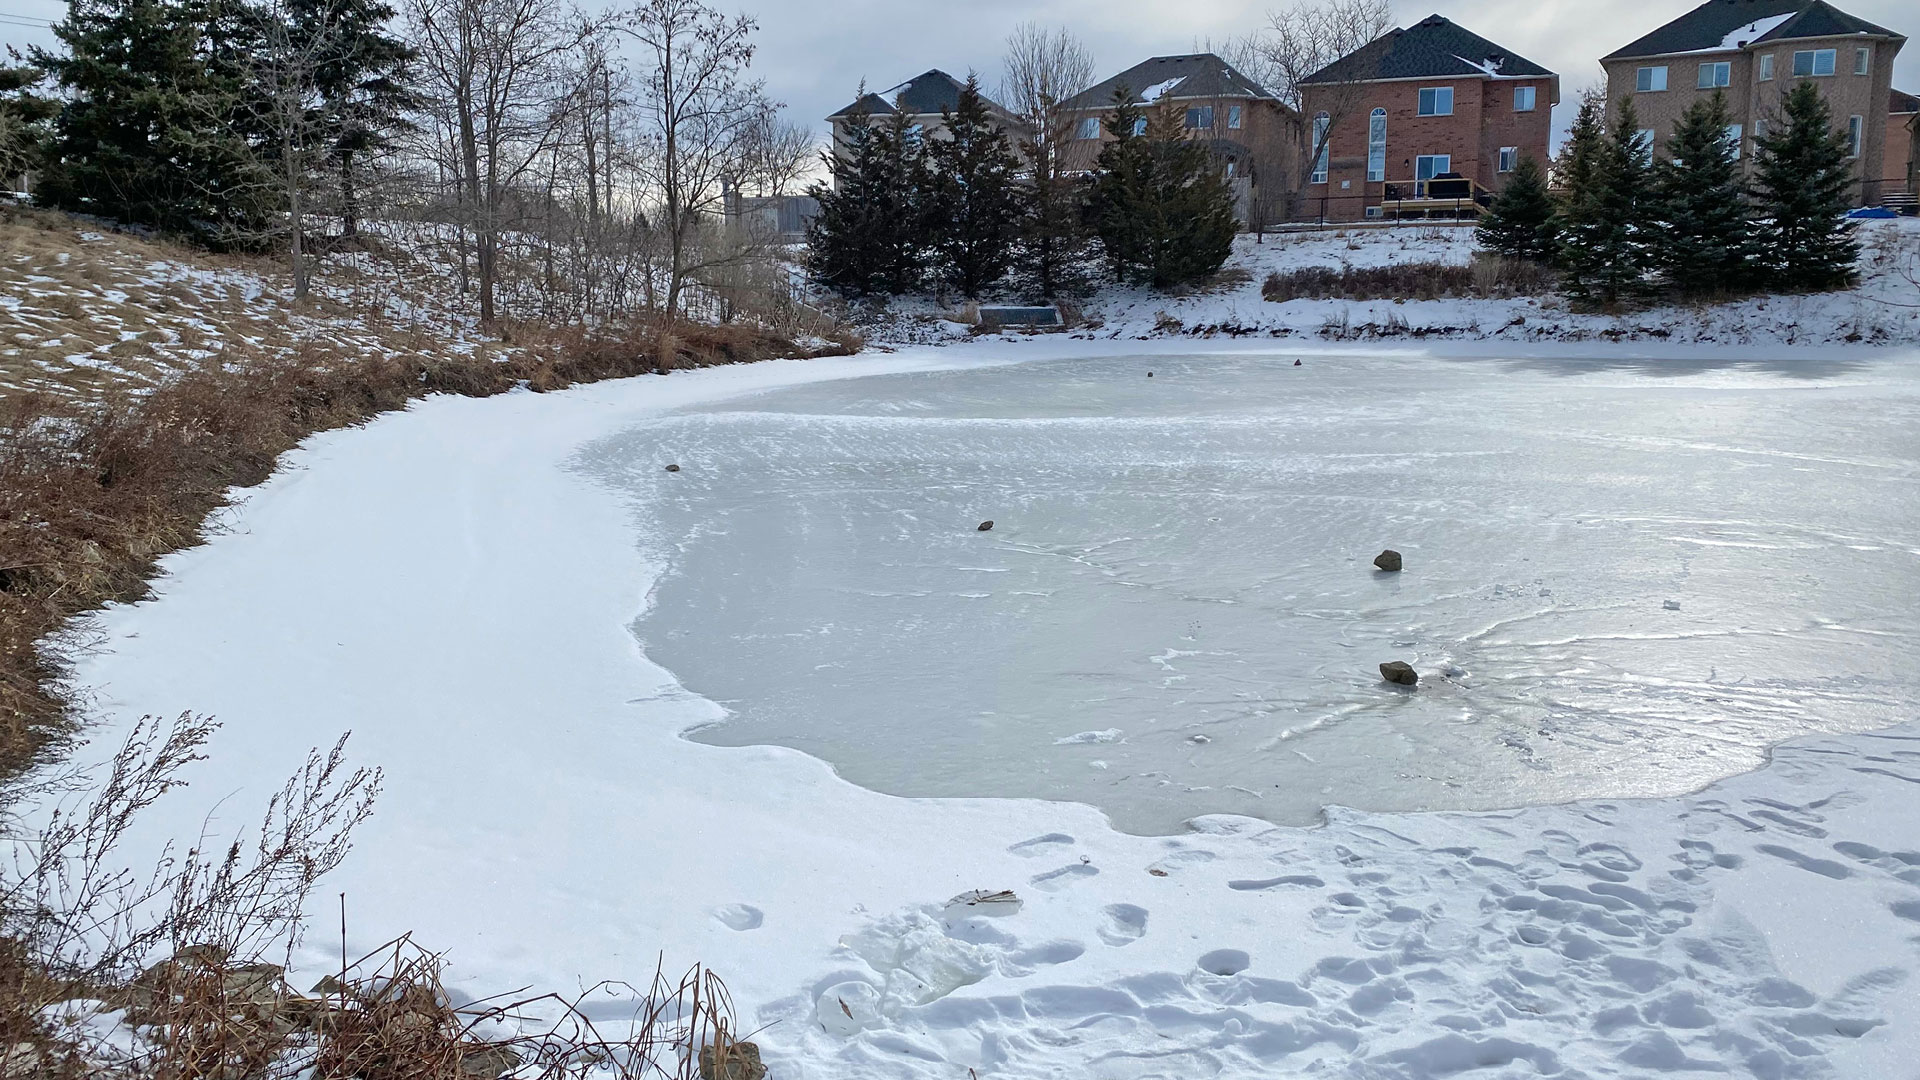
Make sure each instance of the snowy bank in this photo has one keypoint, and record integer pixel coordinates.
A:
(448, 584)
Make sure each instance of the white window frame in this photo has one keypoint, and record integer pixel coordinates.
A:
(1199, 118)
(1509, 157)
(1376, 146)
(1862, 60)
(1233, 117)
(1528, 94)
(1650, 80)
(1321, 123)
(1760, 127)
(1735, 138)
(1714, 73)
(1814, 58)
(1436, 101)
(1766, 67)
(1647, 137)
(1089, 128)
(1856, 135)
(1139, 125)
(1420, 182)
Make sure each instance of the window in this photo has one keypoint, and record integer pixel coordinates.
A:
(1648, 79)
(1089, 127)
(1436, 101)
(1862, 60)
(1760, 128)
(1426, 167)
(1643, 140)
(1230, 168)
(1508, 155)
(1523, 99)
(1812, 62)
(1734, 139)
(1855, 126)
(1715, 74)
(1200, 117)
(1233, 117)
(1766, 67)
(1377, 146)
(1320, 124)
(1139, 125)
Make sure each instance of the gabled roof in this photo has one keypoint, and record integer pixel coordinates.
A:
(1432, 48)
(1194, 75)
(929, 93)
(1735, 24)
(1902, 102)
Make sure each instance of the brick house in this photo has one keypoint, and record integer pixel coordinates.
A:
(1755, 51)
(1900, 165)
(1248, 129)
(926, 99)
(1429, 120)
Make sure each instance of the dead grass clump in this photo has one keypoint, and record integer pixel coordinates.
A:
(1484, 278)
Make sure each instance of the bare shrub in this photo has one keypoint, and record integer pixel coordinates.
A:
(1410, 281)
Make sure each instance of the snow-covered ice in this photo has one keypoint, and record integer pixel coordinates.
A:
(459, 586)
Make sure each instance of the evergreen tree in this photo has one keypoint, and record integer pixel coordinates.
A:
(970, 206)
(160, 118)
(1802, 183)
(362, 79)
(1520, 223)
(1052, 256)
(870, 234)
(1703, 245)
(23, 121)
(1605, 224)
(1161, 206)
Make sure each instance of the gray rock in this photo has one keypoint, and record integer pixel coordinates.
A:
(673, 468)
(1388, 560)
(986, 526)
(1399, 672)
(740, 1061)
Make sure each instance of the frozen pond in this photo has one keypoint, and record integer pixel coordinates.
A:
(1621, 579)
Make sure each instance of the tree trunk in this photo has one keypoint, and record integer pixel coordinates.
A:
(349, 198)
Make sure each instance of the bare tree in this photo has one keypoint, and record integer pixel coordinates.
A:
(1303, 39)
(297, 117)
(696, 110)
(776, 154)
(1045, 66)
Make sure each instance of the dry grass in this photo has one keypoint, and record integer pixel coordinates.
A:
(1483, 278)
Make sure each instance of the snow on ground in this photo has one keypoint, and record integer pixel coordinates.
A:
(1883, 309)
(448, 583)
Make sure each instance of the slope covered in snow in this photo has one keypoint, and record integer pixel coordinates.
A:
(454, 585)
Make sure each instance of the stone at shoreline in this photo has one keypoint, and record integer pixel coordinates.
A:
(1388, 560)
(1399, 672)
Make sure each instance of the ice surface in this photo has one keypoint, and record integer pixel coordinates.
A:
(1176, 612)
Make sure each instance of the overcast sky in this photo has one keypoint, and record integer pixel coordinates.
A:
(813, 53)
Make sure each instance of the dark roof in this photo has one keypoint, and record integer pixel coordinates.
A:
(928, 93)
(1721, 24)
(1902, 102)
(1429, 49)
(1195, 75)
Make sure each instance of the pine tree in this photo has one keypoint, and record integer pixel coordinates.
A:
(1606, 225)
(1802, 180)
(970, 205)
(1161, 206)
(161, 118)
(870, 234)
(1520, 224)
(362, 80)
(23, 120)
(1704, 243)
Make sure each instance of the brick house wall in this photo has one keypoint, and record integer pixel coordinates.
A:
(1751, 98)
(1482, 122)
(1897, 160)
(1266, 151)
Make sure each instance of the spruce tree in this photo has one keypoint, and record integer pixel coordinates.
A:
(1704, 243)
(363, 82)
(160, 118)
(970, 206)
(1606, 224)
(1161, 206)
(870, 234)
(1520, 224)
(23, 120)
(1802, 180)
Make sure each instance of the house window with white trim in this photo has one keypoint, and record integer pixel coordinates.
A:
(1200, 118)
(1734, 139)
(1523, 98)
(1426, 167)
(1233, 117)
(1862, 60)
(1377, 146)
(1814, 62)
(1717, 73)
(1436, 101)
(1321, 122)
(1139, 125)
(1760, 128)
(1508, 156)
(1089, 127)
(1856, 127)
(1643, 140)
(1766, 67)
(1648, 80)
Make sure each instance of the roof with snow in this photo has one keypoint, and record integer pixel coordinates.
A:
(927, 94)
(1719, 25)
(1194, 75)
(1432, 48)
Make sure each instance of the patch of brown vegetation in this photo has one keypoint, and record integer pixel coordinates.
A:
(1483, 278)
